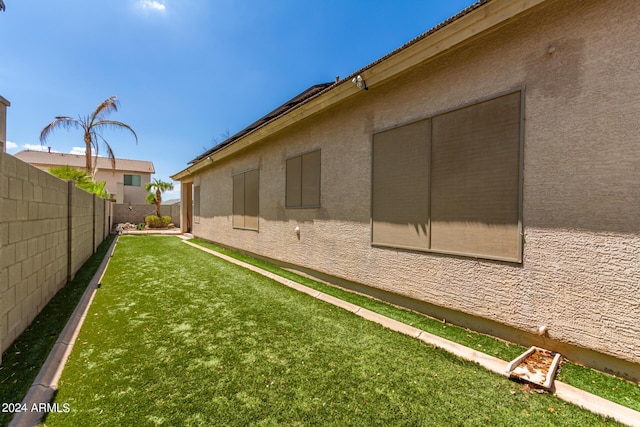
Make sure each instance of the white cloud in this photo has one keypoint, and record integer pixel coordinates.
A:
(11, 145)
(78, 150)
(153, 4)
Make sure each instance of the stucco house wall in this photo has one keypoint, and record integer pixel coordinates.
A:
(576, 63)
(114, 183)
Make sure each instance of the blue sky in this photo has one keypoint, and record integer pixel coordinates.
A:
(185, 71)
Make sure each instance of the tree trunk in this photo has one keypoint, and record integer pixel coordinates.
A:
(87, 154)
(158, 201)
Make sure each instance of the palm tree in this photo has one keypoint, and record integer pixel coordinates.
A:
(81, 179)
(156, 197)
(91, 125)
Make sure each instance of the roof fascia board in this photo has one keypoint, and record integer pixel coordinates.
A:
(477, 21)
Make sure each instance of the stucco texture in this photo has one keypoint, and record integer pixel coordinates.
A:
(576, 62)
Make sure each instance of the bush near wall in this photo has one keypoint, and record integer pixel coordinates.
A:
(138, 213)
(154, 221)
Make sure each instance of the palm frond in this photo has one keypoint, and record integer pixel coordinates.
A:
(104, 109)
(95, 146)
(60, 122)
(66, 172)
(151, 198)
(114, 124)
(111, 156)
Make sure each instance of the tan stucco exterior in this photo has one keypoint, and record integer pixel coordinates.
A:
(576, 63)
(123, 194)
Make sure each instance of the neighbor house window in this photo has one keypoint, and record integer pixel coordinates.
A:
(451, 183)
(245, 199)
(303, 181)
(132, 180)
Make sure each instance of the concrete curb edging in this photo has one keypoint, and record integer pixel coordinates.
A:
(566, 392)
(44, 386)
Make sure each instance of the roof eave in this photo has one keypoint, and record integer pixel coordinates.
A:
(481, 17)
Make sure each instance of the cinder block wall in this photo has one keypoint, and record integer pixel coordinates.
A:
(101, 221)
(81, 227)
(39, 252)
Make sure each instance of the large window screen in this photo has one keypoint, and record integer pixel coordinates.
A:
(451, 183)
(400, 194)
(475, 173)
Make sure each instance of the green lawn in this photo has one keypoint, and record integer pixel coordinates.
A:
(178, 337)
(615, 389)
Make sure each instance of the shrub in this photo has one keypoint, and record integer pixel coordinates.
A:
(155, 222)
(140, 226)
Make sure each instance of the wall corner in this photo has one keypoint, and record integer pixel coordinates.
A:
(3, 123)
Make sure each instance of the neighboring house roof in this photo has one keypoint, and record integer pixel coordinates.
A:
(79, 161)
(453, 31)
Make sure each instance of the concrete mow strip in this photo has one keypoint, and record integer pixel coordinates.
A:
(576, 396)
(44, 386)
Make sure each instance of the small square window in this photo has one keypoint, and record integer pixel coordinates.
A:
(246, 200)
(132, 180)
(303, 181)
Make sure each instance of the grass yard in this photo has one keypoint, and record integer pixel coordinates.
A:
(615, 389)
(178, 337)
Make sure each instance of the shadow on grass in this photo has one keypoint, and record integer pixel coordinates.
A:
(22, 361)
